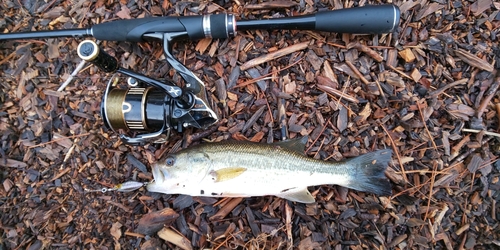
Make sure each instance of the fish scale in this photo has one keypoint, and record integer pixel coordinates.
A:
(243, 169)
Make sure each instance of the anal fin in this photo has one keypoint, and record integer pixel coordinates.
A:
(297, 194)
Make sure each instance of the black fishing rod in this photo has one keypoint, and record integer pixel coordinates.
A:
(149, 109)
(374, 19)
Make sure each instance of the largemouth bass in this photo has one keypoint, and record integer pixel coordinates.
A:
(243, 169)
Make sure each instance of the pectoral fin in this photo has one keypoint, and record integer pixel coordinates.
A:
(225, 174)
(297, 194)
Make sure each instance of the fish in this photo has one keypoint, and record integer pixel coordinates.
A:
(246, 169)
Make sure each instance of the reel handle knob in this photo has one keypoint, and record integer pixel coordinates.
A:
(89, 51)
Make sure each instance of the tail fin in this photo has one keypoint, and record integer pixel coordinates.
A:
(368, 172)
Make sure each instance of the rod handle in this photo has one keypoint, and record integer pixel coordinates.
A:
(371, 19)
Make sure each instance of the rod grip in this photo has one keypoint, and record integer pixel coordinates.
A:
(371, 19)
(132, 30)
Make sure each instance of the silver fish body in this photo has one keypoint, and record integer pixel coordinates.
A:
(243, 169)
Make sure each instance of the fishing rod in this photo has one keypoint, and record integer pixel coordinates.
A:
(373, 19)
(149, 108)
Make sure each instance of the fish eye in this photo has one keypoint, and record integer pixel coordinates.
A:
(170, 161)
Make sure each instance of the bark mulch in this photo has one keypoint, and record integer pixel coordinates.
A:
(428, 91)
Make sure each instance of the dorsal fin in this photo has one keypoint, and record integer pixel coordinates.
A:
(297, 145)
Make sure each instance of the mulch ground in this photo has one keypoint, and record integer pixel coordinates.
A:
(428, 91)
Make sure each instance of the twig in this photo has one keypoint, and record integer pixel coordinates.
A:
(384, 98)
(431, 188)
(400, 72)
(7, 58)
(225, 241)
(448, 86)
(356, 71)
(336, 45)
(268, 107)
(478, 131)
(320, 146)
(60, 174)
(395, 149)
(367, 50)
(343, 90)
(59, 139)
(204, 133)
(322, 130)
(265, 76)
(274, 55)
(472, 150)
(336, 92)
(425, 125)
(489, 95)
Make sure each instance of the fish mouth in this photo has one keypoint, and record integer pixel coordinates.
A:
(158, 175)
(158, 179)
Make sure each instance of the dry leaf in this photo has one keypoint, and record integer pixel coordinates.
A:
(461, 110)
(124, 13)
(290, 86)
(116, 231)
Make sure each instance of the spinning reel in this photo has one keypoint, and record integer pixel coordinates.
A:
(149, 108)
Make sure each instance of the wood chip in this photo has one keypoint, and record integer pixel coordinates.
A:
(473, 60)
(175, 238)
(152, 222)
(11, 163)
(271, 5)
(407, 55)
(203, 44)
(226, 209)
(415, 74)
(428, 9)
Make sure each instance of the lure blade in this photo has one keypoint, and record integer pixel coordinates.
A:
(129, 186)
